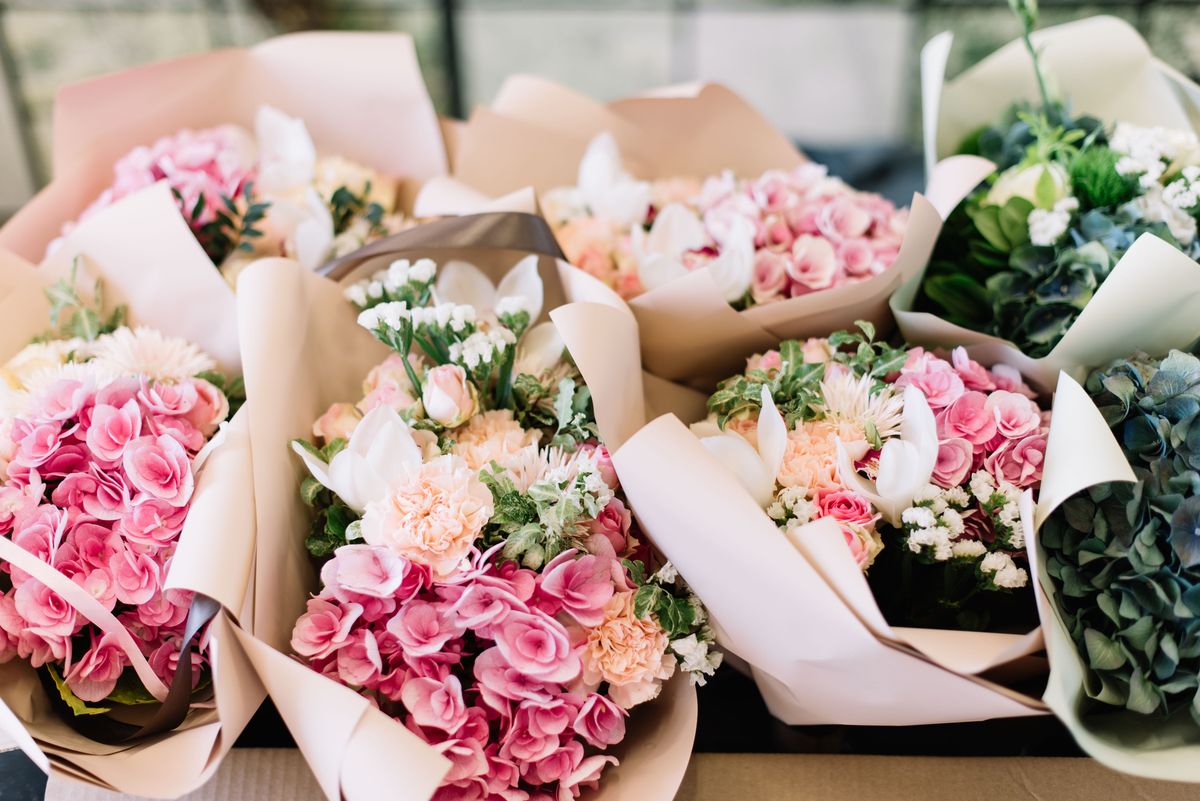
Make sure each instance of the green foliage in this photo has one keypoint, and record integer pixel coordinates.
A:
(1096, 182)
(77, 706)
(346, 206)
(1125, 558)
(74, 315)
(234, 225)
(574, 416)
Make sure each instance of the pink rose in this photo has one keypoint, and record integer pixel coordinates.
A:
(365, 570)
(424, 628)
(841, 218)
(816, 350)
(338, 422)
(1015, 414)
(137, 576)
(1019, 462)
(112, 429)
(813, 264)
(538, 645)
(968, 418)
(973, 374)
(435, 704)
(159, 467)
(211, 409)
(324, 628)
(358, 661)
(955, 460)
(771, 360)
(610, 530)
(448, 397)
(770, 276)
(846, 507)
(600, 721)
(778, 235)
(95, 675)
(856, 257)
(859, 549)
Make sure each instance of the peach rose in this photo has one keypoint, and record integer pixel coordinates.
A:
(448, 397)
(388, 385)
(627, 652)
(338, 422)
(432, 516)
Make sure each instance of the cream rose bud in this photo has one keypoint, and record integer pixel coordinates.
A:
(448, 397)
(338, 422)
(1021, 181)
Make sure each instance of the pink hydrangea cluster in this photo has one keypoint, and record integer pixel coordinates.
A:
(521, 678)
(98, 486)
(986, 419)
(209, 164)
(811, 231)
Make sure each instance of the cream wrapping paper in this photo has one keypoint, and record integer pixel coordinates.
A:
(304, 350)
(799, 611)
(535, 133)
(1082, 451)
(148, 259)
(1152, 281)
(361, 96)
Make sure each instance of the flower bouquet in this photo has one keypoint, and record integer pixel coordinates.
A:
(1118, 570)
(333, 141)
(1085, 226)
(886, 492)
(485, 615)
(120, 480)
(721, 235)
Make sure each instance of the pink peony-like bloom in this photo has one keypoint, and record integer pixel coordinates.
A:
(556, 766)
(967, 418)
(600, 721)
(467, 759)
(324, 628)
(432, 516)
(955, 461)
(1019, 462)
(856, 257)
(37, 441)
(500, 682)
(586, 774)
(846, 507)
(627, 652)
(813, 264)
(211, 409)
(45, 611)
(449, 398)
(842, 218)
(435, 704)
(769, 279)
(95, 675)
(1016, 416)
(424, 628)
(159, 468)
(581, 584)
(151, 523)
(810, 460)
(940, 387)
(358, 661)
(138, 577)
(112, 429)
(973, 374)
(365, 570)
(538, 646)
(485, 604)
(169, 400)
(1009, 379)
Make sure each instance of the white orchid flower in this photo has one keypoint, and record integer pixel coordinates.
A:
(676, 230)
(905, 463)
(381, 451)
(287, 155)
(539, 351)
(465, 284)
(755, 468)
(606, 189)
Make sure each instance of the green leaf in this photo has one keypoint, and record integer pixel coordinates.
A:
(1046, 192)
(1014, 221)
(1103, 653)
(310, 488)
(987, 222)
(646, 599)
(637, 571)
(130, 691)
(78, 706)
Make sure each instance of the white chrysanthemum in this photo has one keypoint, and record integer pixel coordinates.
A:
(527, 466)
(145, 351)
(16, 402)
(37, 357)
(849, 399)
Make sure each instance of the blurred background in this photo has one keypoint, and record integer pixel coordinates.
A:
(840, 78)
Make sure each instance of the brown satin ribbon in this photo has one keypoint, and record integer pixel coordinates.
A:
(173, 710)
(510, 230)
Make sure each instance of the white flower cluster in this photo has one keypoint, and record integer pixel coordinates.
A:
(1149, 152)
(934, 524)
(392, 281)
(696, 658)
(513, 304)
(393, 315)
(1003, 572)
(1002, 502)
(792, 507)
(1047, 226)
(454, 316)
(481, 347)
(1184, 193)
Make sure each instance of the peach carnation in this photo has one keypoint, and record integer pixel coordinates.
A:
(627, 652)
(493, 436)
(810, 461)
(432, 516)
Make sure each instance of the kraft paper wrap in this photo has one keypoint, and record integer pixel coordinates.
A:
(1082, 451)
(1153, 281)
(303, 350)
(361, 95)
(800, 612)
(148, 259)
(536, 131)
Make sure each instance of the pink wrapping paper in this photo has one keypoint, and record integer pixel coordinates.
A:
(361, 95)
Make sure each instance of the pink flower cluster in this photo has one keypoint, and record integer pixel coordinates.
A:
(213, 163)
(986, 419)
(811, 232)
(495, 667)
(98, 486)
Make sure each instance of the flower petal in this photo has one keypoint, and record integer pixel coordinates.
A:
(656, 271)
(313, 235)
(287, 155)
(739, 458)
(465, 284)
(772, 434)
(733, 269)
(676, 230)
(539, 350)
(523, 281)
(318, 468)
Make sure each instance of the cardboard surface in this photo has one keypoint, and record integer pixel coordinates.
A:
(268, 774)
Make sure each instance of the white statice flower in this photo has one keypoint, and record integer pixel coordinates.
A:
(1151, 153)
(1003, 571)
(957, 496)
(982, 486)
(795, 509)
(392, 315)
(697, 658)
(1153, 206)
(356, 294)
(952, 519)
(374, 289)
(146, 351)
(667, 574)
(513, 304)
(968, 549)
(1047, 226)
(935, 541)
(918, 516)
(423, 271)
(454, 316)
(481, 347)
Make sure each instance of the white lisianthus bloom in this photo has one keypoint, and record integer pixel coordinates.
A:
(1022, 182)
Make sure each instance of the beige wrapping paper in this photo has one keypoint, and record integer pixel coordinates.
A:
(535, 133)
(799, 612)
(361, 96)
(303, 350)
(1082, 451)
(148, 259)
(1153, 281)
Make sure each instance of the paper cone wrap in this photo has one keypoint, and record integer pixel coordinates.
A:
(147, 259)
